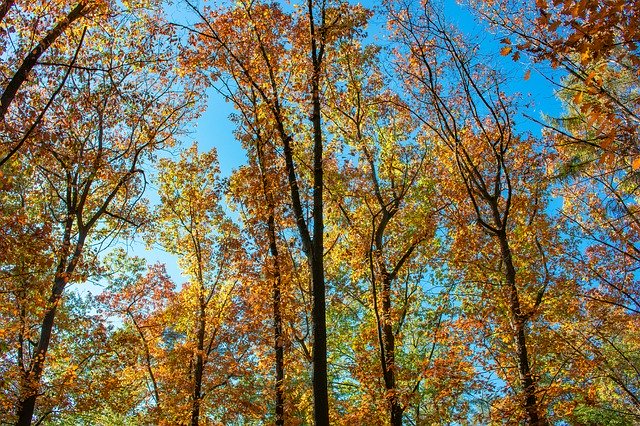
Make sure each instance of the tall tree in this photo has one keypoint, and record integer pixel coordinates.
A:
(264, 221)
(281, 58)
(385, 202)
(491, 175)
(594, 47)
(87, 167)
(28, 42)
(191, 224)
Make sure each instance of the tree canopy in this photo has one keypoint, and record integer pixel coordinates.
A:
(417, 235)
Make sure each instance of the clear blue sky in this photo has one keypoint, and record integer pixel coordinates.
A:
(214, 129)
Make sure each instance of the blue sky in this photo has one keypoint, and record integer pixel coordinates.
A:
(214, 129)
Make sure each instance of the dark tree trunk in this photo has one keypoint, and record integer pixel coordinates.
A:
(277, 324)
(32, 378)
(318, 311)
(199, 365)
(66, 266)
(276, 289)
(526, 377)
(389, 373)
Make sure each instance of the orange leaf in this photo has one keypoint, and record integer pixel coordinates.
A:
(578, 98)
(635, 165)
(505, 50)
(527, 75)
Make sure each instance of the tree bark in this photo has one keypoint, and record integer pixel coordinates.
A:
(395, 408)
(31, 386)
(318, 311)
(519, 322)
(30, 389)
(199, 365)
(277, 321)
(278, 343)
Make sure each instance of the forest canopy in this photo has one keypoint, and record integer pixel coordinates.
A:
(436, 218)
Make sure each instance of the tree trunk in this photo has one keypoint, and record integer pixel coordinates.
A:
(278, 343)
(277, 323)
(389, 373)
(318, 311)
(66, 266)
(30, 389)
(526, 377)
(199, 366)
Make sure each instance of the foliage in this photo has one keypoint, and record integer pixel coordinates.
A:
(400, 247)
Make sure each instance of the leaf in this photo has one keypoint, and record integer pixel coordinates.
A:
(541, 4)
(527, 75)
(505, 50)
(635, 165)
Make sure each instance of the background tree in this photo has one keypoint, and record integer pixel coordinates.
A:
(86, 172)
(281, 58)
(191, 224)
(382, 197)
(498, 197)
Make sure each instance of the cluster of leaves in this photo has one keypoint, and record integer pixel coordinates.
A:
(394, 251)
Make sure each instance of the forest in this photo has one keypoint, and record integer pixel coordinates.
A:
(415, 234)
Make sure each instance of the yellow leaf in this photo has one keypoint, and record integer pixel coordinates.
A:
(636, 164)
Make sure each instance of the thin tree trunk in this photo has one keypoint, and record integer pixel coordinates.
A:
(66, 266)
(277, 321)
(395, 408)
(199, 366)
(526, 377)
(31, 386)
(278, 343)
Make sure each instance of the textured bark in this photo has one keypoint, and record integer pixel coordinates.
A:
(395, 408)
(318, 310)
(277, 324)
(30, 390)
(278, 343)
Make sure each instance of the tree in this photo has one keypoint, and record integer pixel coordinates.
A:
(383, 195)
(31, 42)
(263, 217)
(87, 175)
(252, 44)
(595, 43)
(596, 138)
(139, 300)
(190, 223)
(490, 175)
